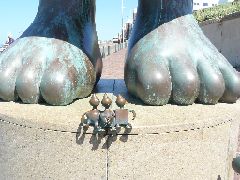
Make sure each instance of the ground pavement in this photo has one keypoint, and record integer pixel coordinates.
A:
(113, 68)
(113, 65)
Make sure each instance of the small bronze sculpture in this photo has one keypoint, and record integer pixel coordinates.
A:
(121, 115)
(91, 117)
(107, 121)
(107, 116)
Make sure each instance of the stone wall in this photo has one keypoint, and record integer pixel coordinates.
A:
(225, 35)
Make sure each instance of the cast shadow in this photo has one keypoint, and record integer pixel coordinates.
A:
(97, 139)
(116, 87)
(104, 86)
(122, 137)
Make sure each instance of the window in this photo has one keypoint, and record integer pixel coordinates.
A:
(205, 4)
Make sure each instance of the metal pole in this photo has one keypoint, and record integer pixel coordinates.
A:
(122, 23)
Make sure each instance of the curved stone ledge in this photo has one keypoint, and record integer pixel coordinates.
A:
(136, 130)
(150, 119)
(169, 142)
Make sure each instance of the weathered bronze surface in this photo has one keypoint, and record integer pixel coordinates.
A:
(121, 115)
(57, 58)
(120, 101)
(91, 117)
(236, 164)
(170, 60)
(107, 121)
(107, 116)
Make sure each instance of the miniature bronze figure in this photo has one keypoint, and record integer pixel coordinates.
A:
(121, 101)
(107, 121)
(107, 116)
(91, 118)
(121, 115)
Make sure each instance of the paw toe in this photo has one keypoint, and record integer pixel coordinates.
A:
(185, 83)
(62, 82)
(55, 86)
(154, 84)
(211, 84)
(8, 74)
(232, 85)
(27, 84)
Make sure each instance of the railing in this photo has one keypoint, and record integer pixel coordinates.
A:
(105, 50)
(110, 49)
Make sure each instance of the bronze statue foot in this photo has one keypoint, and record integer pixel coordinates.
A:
(170, 60)
(57, 58)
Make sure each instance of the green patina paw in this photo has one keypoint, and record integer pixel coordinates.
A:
(170, 59)
(36, 68)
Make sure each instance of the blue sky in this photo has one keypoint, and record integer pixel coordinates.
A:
(17, 15)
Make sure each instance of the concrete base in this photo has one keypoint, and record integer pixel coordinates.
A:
(169, 142)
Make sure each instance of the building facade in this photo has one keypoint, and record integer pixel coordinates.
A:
(200, 4)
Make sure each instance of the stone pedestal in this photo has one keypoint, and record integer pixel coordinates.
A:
(169, 142)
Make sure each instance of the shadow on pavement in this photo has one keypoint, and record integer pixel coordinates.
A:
(96, 139)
